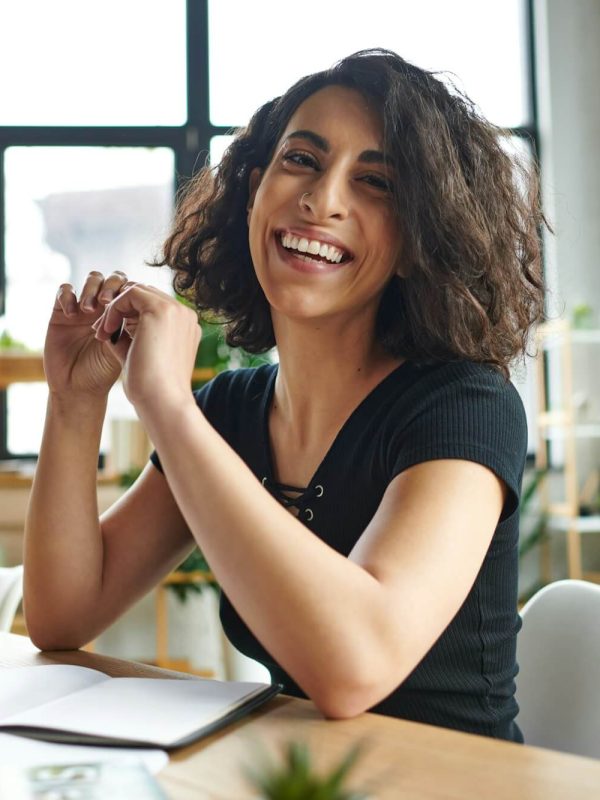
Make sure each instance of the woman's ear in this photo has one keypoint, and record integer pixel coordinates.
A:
(253, 184)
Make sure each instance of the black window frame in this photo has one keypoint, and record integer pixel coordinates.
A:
(189, 142)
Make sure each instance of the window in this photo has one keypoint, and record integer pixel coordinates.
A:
(109, 102)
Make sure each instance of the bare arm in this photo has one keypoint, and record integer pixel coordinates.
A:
(62, 545)
(74, 560)
(344, 648)
(70, 595)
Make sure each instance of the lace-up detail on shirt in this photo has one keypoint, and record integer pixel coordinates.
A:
(294, 496)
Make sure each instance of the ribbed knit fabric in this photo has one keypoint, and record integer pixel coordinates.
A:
(460, 410)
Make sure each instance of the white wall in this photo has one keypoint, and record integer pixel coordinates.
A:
(568, 72)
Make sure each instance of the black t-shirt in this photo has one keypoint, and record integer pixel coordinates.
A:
(459, 410)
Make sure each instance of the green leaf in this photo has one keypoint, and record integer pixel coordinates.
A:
(294, 779)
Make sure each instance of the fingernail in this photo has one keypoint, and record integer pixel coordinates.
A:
(88, 305)
(106, 296)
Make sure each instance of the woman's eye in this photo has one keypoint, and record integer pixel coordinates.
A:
(301, 159)
(378, 182)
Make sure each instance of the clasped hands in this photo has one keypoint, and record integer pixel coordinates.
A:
(118, 325)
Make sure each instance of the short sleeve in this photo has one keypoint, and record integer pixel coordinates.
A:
(473, 413)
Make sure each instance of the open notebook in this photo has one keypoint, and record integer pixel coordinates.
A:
(62, 703)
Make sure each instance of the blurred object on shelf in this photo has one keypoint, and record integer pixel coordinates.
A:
(562, 422)
(583, 317)
(589, 497)
(129, 446)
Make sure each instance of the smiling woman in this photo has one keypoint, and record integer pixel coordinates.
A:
(327, 186)
(368, 223)
(475, 285)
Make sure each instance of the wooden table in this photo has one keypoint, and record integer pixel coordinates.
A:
(401, 760)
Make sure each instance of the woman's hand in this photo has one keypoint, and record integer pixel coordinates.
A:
(157, 346)
(75, 360)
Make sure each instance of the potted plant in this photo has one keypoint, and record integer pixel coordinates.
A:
(295, 778)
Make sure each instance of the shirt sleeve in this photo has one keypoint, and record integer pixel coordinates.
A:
(472, 413)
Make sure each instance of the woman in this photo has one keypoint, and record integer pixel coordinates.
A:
(366, 222)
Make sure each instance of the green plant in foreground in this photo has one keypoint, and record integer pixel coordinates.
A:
(295, 779)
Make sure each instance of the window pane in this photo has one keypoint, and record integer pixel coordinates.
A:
(69, 210)
(483, 44)
(26, 406)
(67, 62)
(218, 145)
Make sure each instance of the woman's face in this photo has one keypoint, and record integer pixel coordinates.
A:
(323, 236)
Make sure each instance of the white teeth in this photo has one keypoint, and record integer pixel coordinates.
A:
(312, 247)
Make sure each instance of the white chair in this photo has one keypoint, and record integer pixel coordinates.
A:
(558, 652)
(11, 592)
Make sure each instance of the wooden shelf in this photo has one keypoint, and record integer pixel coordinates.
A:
(554, 333)
(563, 424)
(18, 367)
(581, 430)
(21, 368)
(589, 524)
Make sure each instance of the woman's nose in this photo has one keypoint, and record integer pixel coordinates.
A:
(328, 198)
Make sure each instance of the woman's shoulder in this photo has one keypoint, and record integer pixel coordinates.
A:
(456, 396)
(454, 379)
(238, 386)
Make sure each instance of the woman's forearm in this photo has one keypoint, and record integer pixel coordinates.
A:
(63, 542)
(307, 604)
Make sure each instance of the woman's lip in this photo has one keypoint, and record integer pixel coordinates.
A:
(295, 260)
(305, 233)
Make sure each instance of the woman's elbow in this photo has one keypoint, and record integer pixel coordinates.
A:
(345, 699)
(48, 634)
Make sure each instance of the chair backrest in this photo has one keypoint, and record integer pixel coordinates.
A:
(558, 652)
(11, 592)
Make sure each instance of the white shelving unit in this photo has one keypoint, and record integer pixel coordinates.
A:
(561, 425)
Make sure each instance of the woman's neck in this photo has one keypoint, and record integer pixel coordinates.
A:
(324, 373)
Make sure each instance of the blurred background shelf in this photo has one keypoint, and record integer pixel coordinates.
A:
(21, 367)
(560, 427)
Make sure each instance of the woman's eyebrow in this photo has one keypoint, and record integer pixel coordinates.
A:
(366, 157)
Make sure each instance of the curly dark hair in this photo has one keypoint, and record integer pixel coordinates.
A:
(469, 214)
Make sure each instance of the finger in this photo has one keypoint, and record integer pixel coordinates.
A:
(130, 303)
(88, 299)
(65, 300)
(113, 285)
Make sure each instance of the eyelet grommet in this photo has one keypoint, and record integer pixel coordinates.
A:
(264, 480)
(319, 490)
(309, 514)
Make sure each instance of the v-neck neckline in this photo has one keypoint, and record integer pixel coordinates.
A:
(348, 423)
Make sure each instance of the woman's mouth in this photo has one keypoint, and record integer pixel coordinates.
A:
(310, 255)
